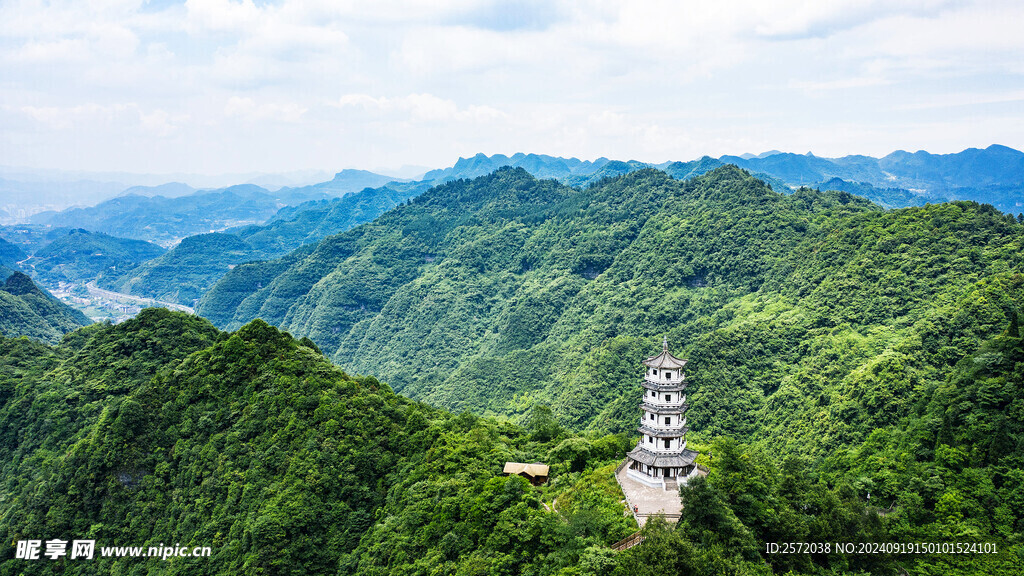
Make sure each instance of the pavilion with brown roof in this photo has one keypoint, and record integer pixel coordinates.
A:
(536, 473)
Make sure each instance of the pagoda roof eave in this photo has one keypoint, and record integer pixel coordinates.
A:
(670, 387)
(678, 459)
(665, 359)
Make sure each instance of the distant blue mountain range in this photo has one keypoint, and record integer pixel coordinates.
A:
(167, 213)
(993, 175)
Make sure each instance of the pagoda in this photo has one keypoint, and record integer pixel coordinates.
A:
(660, 457)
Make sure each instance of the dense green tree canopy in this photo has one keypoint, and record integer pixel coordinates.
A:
(855, 376)
(28, 310)
(503, 292)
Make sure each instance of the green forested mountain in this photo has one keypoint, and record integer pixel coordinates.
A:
(540, 165)
(870, 345)
(188, 270)
(81, 255)
(167, 220)
(500, 292)
(10, 254)
(346, 182)
(27, 310)
(885, 197)
(694, 168)
(29, 238)
(183, 273)
(855, 375)
(294, 226)
(993, 175)
(162, 429)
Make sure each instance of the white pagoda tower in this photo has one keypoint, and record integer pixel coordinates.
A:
(661, 456)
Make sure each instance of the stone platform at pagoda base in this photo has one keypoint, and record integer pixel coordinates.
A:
(649, 500)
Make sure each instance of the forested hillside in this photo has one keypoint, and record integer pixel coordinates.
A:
(869, 349)
(540, 165)
(505, 291)
(188, 270)
(29, 238)
(294, 226)
(81, 255)
(855, 375)
(183, 273)
(163, 429)
(993, 175)
(28, 310)
(167, 220)
(10, 254)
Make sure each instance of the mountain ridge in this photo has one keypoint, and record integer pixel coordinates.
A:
(525, 275)
(28, 310)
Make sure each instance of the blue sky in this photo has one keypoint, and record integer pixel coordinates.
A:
(218, 86)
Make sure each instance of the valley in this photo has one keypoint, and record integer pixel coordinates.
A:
(337, 389)
(104, 305)
(295, 288)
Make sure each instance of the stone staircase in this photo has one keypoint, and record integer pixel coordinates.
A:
(628, 542)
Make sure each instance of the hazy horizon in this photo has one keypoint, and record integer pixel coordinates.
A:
(315, 175)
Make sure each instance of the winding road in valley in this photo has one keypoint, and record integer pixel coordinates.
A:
(97, 291)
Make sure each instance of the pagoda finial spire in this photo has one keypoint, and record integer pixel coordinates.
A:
(664, 343)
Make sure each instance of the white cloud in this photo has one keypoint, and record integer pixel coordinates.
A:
(249, 110)
(122, 118)
(421, 108)
(222, 15)
(423, 81)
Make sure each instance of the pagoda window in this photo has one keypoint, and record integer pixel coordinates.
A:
(650, 439)
(668, 375)
(655, 371)
(668, 397)
(652, 416)
(666, 442)
(668, 420)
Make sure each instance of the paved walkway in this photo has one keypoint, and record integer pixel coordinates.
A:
(649, 501)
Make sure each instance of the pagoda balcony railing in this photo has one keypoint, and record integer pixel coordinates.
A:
(658, 425)
(673, 432)
(672, 408)
(654, 401)
(665, 386)
(661, 378)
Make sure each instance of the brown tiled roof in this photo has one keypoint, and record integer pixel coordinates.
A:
(532, 470)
